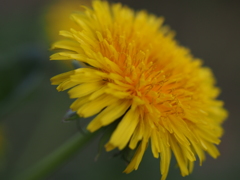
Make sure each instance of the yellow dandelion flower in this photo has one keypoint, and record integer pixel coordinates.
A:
(137, 71)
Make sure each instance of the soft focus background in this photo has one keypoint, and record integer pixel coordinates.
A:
(31, 109)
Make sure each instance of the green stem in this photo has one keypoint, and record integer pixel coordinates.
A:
(57, 158)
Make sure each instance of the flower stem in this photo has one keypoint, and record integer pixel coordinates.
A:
(56, 158)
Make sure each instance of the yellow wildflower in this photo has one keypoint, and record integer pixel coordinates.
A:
(137, 71)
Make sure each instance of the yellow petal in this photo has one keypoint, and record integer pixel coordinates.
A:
(208, 135)
(199, 151)
(60, 56)
(95, 106)
(133, 165)
(84, 89)
(137, 135)
(68, 45)
(182, 162)
(66, 85)
(79, 102)
(165, 161)
(212, 150)
(98, 93)
(124, 130)
(115, 111)
(85, 75)
(108, 115)
(61, 77)
(80, 20)
(155, 144)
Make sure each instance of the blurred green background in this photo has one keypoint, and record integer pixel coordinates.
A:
(31, 110)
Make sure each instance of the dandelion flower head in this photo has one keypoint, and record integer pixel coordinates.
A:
(137, 71)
